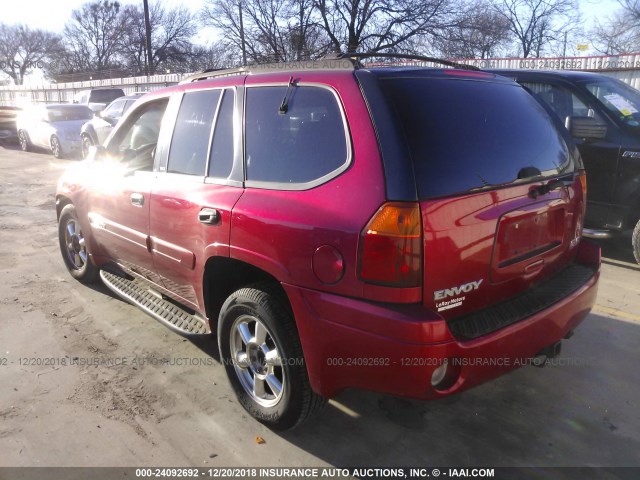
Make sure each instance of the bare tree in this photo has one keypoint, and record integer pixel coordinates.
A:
(480, 33)
(376, 25)
(22, 50)
(171, 32)
(95, 35)
(536, 23)
(619, 33)
(267, 30)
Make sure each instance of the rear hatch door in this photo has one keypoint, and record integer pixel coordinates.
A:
(497, 182)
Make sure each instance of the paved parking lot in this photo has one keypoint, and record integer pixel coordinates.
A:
(162, 401)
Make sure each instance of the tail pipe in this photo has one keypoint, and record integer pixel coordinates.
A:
(550, 351)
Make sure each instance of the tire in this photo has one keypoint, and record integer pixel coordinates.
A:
(23, 138)
(254, 323)
(56, 149)
(73, 247)
(635, 242)
(86, 143)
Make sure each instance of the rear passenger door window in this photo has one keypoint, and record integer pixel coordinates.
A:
(190, 142)
(297, 149)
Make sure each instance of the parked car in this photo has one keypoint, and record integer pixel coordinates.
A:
(55, 127)
(96, 130)
(405, 230)
(603, 115)
(97, 98)
(8, 129)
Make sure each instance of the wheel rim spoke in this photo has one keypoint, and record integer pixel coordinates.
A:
(273, 358)
(71, 228)
(83, 256)
(258, 387)
(245, 334)
(261, 333)
(274, 384)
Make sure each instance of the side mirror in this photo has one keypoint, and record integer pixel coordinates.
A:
(586, 127)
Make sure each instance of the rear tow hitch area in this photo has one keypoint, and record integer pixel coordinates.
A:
(551, 351)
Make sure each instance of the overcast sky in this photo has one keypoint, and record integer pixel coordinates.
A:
(53, 14)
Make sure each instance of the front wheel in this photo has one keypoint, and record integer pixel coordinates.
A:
(73, 247)
(56, 149)
(263, 358)
(86, 145)
(635, 241)
(25, 145)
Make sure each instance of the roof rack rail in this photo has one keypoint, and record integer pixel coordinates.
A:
(213, 72)
(407, 56)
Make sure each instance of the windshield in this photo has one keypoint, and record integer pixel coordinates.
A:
(468, 135)
(618, 98)
(66, 113)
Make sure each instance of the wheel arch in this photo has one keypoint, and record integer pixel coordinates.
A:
(224, 275)
(89, 133)
(61, 202)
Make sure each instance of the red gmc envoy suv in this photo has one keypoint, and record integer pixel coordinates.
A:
(408, 230)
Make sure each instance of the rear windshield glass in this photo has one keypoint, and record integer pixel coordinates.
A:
(105, 96)
(68, 113)
(467, 135)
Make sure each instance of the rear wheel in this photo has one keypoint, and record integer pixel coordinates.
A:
(73, 247)
(635, 241)
(25, 144)
(262, 355)
(56, 149)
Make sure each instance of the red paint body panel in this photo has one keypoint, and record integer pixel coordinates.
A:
(467, 238)
(401, 346)
(181, 244)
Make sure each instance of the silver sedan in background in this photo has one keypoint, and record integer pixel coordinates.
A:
(55, 127)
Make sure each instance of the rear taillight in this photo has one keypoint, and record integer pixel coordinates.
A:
(391, 246)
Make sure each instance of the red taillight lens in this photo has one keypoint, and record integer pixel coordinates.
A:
(391, 246)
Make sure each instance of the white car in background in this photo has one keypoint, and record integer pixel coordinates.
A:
(55, 127)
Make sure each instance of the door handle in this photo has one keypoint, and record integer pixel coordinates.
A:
(209, 216)
(137, 199)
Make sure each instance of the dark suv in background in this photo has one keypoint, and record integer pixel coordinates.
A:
(603, 116)
(405, 230)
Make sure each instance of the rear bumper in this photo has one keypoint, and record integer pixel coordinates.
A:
(394, 349)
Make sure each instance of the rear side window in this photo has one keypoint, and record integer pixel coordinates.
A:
(221, 161)
(190, 141)
(467, 135)
(299, 148)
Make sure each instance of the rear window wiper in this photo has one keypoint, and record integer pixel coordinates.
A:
(565, 181)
